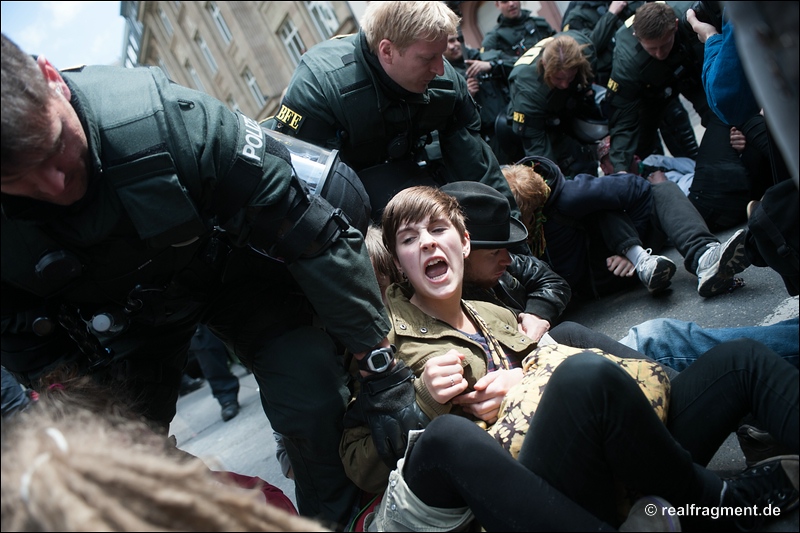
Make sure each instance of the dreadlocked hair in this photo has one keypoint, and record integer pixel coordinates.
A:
(531, 193)
(72, 465)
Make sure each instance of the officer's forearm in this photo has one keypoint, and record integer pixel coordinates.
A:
(343, 289)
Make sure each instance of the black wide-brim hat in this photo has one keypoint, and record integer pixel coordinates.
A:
(488, 214)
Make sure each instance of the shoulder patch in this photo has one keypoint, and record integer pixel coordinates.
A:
(612, 85)
(251, 140)
(518, 117)
(290, 119)
(531, 55)
(74, 68)
(629, 22)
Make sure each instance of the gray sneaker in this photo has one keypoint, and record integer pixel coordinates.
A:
(655, 271)
(719, 263)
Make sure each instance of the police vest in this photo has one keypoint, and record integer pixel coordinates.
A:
(555, 104)
(680, 72)
(522, 35)
(370, 128)
(139, 206)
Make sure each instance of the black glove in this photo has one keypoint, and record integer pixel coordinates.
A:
(387, 403)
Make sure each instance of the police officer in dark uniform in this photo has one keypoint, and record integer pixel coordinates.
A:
(487, 84)
(675, 127)
(547, 99)
(516, 32)
(657, 57)
(398, 113)
(135, 209)
(586, 16)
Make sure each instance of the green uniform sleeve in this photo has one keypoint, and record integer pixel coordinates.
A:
(340, 282)
(528, 107)
(343, 289)
(307, 102)
(603, 33)
(623, 127)
(490, 41)
(624, 88)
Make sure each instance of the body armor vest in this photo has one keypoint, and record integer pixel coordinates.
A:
(137, 210)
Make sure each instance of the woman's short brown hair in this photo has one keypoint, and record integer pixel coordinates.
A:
(416, 204)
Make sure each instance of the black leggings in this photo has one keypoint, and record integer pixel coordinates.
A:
(593, 428)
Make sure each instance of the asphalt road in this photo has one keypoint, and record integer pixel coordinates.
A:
(245, 444)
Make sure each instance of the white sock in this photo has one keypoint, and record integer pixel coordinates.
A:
(635, 253)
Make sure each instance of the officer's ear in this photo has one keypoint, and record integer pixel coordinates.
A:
(386, 51)
(53, 77)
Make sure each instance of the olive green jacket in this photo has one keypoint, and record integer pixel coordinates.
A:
(419, 337)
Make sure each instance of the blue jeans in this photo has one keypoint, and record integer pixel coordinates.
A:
(14, 396)
(677, 343)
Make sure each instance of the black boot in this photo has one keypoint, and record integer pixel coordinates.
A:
(189, 384)
(229, 410)
(772, 482)
(758, 445)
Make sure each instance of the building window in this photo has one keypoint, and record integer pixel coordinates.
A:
(163, 67)
(132, 51)
(324, 18)
(165, 21)
(201, 43)
(222, 26)
(255, 90)
(233, 105)
(292, 41)
(195, 77)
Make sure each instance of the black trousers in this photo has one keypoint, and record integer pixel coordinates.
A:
(674, 219)
(212, 356)
(721, 186)
(594, 428)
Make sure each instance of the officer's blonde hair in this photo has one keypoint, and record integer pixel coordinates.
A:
(654, 20)
(68, 466)
(405, 23)
(564, 53)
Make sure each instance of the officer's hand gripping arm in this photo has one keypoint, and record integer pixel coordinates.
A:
(387, 404)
